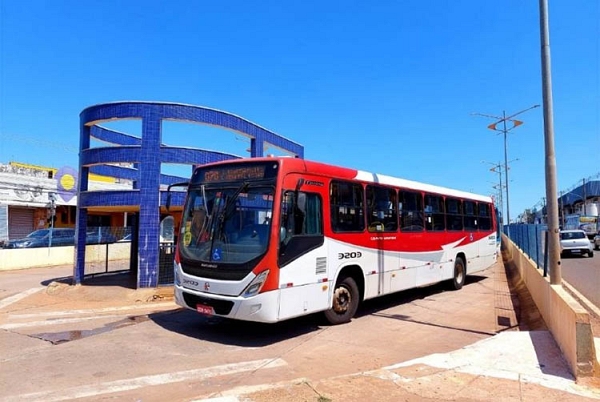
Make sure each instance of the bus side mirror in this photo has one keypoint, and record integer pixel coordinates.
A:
(168, 201)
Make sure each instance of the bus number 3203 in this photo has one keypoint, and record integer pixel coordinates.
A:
(350, 254)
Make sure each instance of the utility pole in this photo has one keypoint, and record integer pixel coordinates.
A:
(584, 198)
(550, 168)
(497, 168)
(562, 210)
(52, 197)
(505, 130)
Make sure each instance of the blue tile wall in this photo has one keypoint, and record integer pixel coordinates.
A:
(113, 198)
(147, 154)
(123, 154)
(114, 137)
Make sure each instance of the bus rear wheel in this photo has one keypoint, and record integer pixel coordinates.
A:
(460, 274)
(345, 302)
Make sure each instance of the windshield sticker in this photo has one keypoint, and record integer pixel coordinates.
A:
(187, 238)
(216, 255)
(187, 234)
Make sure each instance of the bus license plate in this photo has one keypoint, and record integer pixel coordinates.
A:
(206, 310)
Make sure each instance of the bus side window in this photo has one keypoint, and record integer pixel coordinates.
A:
(435, 217)
(382, 215)
(301, 216)
(301, 225)
(469, 218)
(454, 214)
(485, 219)
(346, 203)
(411, 211)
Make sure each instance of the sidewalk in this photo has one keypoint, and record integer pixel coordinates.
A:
(503, 368)
(521, 363)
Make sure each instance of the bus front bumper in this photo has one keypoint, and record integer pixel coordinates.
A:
(263, 307)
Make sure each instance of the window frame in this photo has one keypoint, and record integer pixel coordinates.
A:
(378, 220)
(354, 207)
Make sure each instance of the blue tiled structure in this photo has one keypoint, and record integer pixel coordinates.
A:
(147, 153)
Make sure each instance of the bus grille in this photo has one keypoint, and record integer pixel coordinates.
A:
(221, 307)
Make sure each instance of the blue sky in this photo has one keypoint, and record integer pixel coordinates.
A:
(388, 87)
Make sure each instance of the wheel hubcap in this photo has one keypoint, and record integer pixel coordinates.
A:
(460, 271)
(341, 300)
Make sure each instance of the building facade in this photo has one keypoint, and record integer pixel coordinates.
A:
(36, 197)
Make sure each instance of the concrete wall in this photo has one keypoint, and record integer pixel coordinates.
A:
(45, 257)
(566, 319)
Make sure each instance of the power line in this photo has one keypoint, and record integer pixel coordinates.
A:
(38, 142)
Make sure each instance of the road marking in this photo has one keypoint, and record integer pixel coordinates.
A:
(54, 322)
(232, 395)
(15, 298)
(93, 311)
(87, 391)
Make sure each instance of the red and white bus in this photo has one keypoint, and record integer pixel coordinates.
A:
(268, 239)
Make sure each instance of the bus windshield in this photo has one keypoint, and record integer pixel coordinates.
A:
(227, 223)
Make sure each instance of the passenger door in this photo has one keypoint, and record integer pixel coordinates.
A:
(302, 256)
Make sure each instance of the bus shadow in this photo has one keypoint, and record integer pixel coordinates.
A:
(251, 334)
(232, 332)
(374, 306)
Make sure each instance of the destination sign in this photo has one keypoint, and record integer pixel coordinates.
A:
(235, 172)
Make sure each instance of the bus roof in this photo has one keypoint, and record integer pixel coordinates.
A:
(323, 169)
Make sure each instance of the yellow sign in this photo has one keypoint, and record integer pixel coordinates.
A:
(187, 238)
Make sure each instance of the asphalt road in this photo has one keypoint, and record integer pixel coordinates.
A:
(72, 343)
(583, 273)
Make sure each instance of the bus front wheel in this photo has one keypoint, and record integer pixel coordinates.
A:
(345, 302)
(460, 273)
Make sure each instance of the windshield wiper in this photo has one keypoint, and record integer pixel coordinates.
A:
(225, 213)
(227, 210)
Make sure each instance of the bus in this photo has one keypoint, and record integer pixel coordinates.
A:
(587, 223)
(269, 239)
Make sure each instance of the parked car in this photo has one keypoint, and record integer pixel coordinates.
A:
(60, 237)
(126, 239)
(575, 242)
(161, 239)
(597, 241)
(41, 238)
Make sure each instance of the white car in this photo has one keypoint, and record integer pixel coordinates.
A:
(597, 241)
(575, 242)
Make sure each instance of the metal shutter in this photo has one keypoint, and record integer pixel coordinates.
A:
(20, 222)
(3, 222)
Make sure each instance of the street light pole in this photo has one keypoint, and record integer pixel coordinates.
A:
(505, 130)
(497, 168)
(499, 189)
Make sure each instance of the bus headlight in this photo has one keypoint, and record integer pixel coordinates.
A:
(256, 285)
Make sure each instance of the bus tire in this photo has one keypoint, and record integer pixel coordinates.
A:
(345, 302)
(460, 274)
